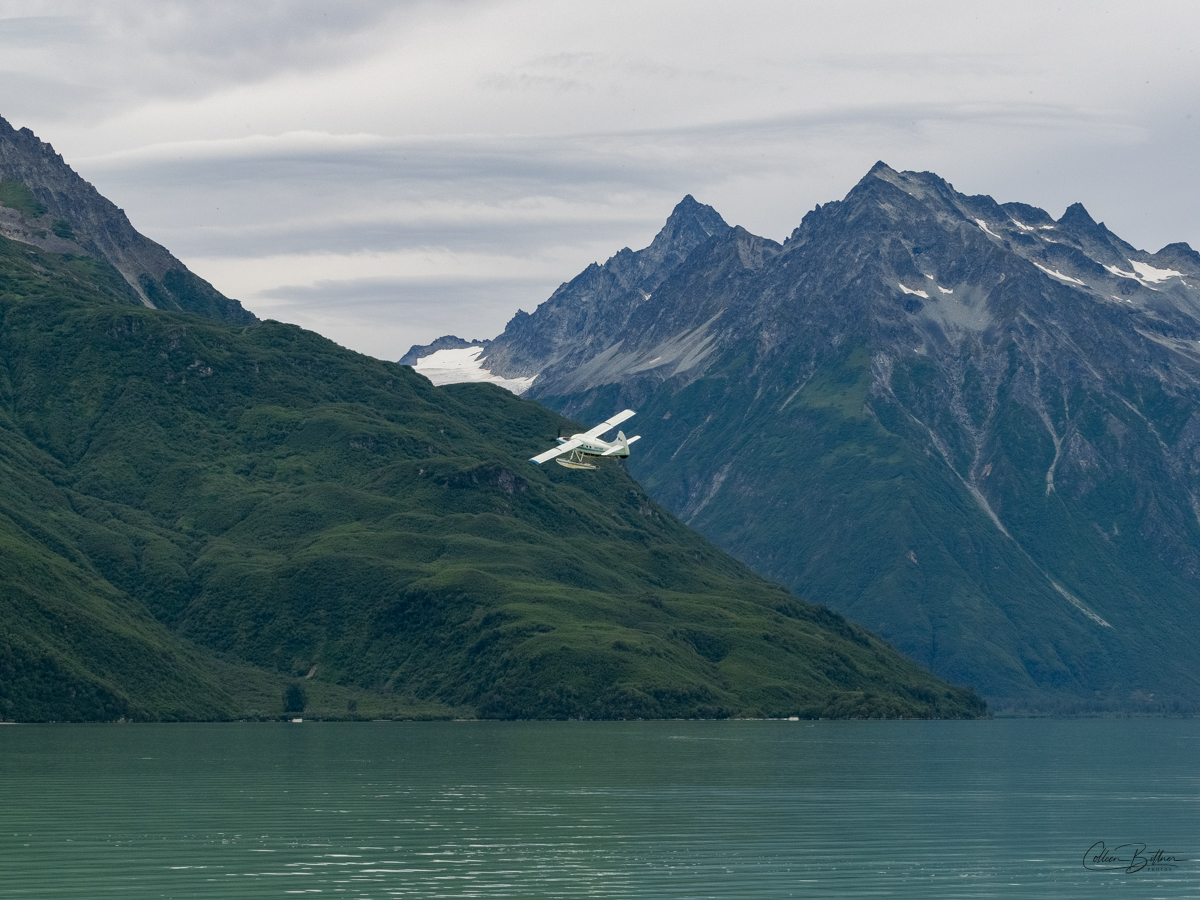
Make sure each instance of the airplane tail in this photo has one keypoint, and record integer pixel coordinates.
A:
(623, 444)
(620, 447)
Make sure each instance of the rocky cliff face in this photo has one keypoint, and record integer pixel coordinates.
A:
(43, 202)
(970, 426)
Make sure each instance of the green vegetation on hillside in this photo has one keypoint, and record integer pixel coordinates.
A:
(16, 195)
(194, 517)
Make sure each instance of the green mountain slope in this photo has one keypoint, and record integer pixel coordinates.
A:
(176, 487)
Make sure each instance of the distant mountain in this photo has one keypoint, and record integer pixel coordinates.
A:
(44, 203)
(192, 514)
(594, 309)
(449, 342)
(967, 425)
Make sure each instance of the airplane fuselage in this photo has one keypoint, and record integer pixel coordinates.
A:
(591, 446)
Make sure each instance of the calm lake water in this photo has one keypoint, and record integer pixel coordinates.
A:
(1005, 808)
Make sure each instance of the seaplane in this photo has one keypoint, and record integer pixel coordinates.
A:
(578, 451)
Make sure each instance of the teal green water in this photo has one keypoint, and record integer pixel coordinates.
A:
(1002, 808)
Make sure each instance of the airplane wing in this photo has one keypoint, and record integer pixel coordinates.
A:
(565, 447)
(610, 423)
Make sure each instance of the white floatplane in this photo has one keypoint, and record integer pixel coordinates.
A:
(580, 449)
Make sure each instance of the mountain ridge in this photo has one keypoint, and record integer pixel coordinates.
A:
(914, 382)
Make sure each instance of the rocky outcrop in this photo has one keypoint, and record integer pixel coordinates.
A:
(590, 315)
(51, 207)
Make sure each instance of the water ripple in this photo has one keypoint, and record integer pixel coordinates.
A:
(629, 810)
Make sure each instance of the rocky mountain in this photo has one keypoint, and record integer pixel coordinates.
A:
(970, 426)
(573, 334)
(195, 514)
(43, 202)
(448, 342)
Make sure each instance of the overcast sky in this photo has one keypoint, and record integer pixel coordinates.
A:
(386, 173)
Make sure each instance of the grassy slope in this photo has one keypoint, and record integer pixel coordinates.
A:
(274, 498)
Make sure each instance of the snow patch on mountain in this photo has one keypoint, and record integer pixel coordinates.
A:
(982, 224)
(1121, 272)
(1149, 273)
(1054, 273)
(464, 365)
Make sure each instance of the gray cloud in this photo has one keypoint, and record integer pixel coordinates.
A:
(32, 32)
(123, 54)
(27, 96)
(514, 238)
(417, 311)
(475, 192)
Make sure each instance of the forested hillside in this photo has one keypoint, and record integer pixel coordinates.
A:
(182, 496)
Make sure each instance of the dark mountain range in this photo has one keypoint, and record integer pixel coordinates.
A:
(43, 202)
(967, 425)
(194, 514)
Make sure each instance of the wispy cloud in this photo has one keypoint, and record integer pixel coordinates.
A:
(395, 171)
(124, 53)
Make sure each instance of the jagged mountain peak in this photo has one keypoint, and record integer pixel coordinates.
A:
(881, 198)
(920, 185)
(879, 174)
(691, 210)
(691, 223)
(886, 199)
(1078, 219)
(915, 233)
(1077, 215)
(881, 170)
(867, 196)
(44, 202)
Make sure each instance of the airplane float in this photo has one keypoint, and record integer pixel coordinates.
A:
(580, 449)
